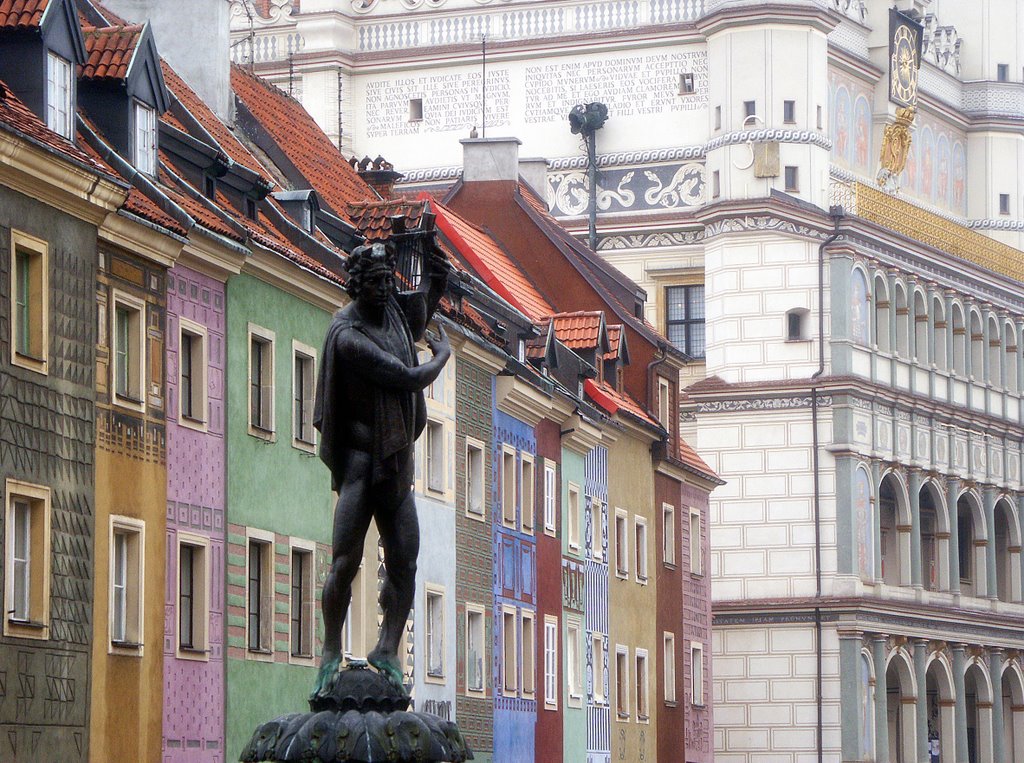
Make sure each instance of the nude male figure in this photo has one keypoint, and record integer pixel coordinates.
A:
(370, 410)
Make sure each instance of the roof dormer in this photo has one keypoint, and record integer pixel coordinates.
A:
(40, 46)
(123, 91)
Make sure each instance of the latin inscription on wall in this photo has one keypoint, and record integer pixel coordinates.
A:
(628, 85)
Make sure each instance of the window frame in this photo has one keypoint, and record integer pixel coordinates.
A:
(597, 644)
(437, 593)
(687, 321)
(265, 602)
(642, 684)
(36, 624)
(306, 550)
(527, 494)
(668, 540)
(573, 494)
(596, 513)
(528, 653)
(61, 121)
(144, 154)
(665, 403)
(308, 357)
(37, 250)
(791, 178)
(475, 610)
(509, 492)
(623, 687)
(199, 388)
(696, 551)
(135, 578)
(621, 544)
(697, 694)
(136, 371)
(574, 672)
(474, 445)
(267, 380)
(550, 662)
(509, 651)
(668, 656)
(434, 472)
(789, 112)
(199, 649)
(550, 498)
(641, 567)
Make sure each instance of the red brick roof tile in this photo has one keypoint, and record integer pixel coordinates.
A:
(611, 400)
(373, 218)
(110, 51)
(580, 330)
(689, 457)
(302, 141)
(614, 335)
(21, 14)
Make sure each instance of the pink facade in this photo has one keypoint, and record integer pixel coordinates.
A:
(699, 722)
(193, 727)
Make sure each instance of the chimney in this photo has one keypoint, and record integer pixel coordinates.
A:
(379, 174)
(485, 159)
(195, 38)
(534, 170)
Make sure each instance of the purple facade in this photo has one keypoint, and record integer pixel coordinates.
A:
(193, 725)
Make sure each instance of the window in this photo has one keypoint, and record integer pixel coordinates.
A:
(29, 294)
(1004, 203)
(640, 548)
(435, 632)
(749, 110)
(796, 325)
(550, 486)
(621, 543)
(685, 318)
(792, 178)
(351, 641)
(642, 713)
(474, 649)
(716, 184)
(252, 211)
(415, 109)
(718, 117)
(596, 530)
(664, 403)
(27, 560)
(820, 122)
(127, 577)
(145, 139)
(209, 186)
(597, 645)
(697, 674)
(508, 486)
(668, 542)
(527, 490)
(509, 657)
(303, 387)
(59, 108)
(474, 478)
(686, 83)
(622, 687)
(573, 662)
(192, 373)
(193, 595)
(261, 381)
(529, 650)
(129, 349)
(696, 547)
(789, 112)
(1002, 72)
(550, 662)
(573, 518)
(435, 456)
(260, 595)
(668, 658)
(302, 601)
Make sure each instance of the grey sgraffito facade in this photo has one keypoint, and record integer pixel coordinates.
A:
(47, 426)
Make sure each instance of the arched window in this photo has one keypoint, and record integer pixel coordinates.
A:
(934, 540)
(959, 341)
(978, 698)
(893, 519)
(859, 308)
(1013, 713)
(995, 355)
(1012, 380)
(1007, 552)
(922, 347)
(939, 694)
(970, 546)
(902, 322)
(881, 322)
(977, 339)
(900, 696)
(939, 348)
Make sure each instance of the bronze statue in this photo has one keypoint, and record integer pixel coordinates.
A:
(370, 410)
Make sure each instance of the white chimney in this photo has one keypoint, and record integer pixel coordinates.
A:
(490, 159)
(534, 170)
(194, 36)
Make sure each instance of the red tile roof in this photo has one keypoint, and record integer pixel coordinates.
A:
(580, 330)
(689, 457)
(611, 400)
(614, 334)
(490, 262)
(18, 118)
(110, 51)
(21, 14)
(373, 218)
(300, 138)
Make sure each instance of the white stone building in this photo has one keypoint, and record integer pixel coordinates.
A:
(861, 394)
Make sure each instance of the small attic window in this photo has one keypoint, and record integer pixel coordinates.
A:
(209, 186)
(796, 325)
(686, 83)
(59, 108)
(252, 210)
(145, 138)
(415, 109)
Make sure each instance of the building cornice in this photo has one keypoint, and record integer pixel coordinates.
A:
(581, 435)
(490, 362)
(134, 236)
(272, 268)
(733, 14)
(211, 257)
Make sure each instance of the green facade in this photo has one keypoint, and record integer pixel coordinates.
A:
(574, 719)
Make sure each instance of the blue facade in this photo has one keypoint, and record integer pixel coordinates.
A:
(515, 594)
(595, 488)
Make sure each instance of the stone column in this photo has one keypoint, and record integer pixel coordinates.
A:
(968, 342)
(952, 493)
(995, 668)
(948, 299)
(920, 658)
(991, 591)
(914, 486)
(960, 712)
(878, 649)
(850, 690)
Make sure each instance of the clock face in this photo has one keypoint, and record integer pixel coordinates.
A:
(903, 66)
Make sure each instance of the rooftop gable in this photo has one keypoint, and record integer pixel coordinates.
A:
(22, 14)
(126, 53)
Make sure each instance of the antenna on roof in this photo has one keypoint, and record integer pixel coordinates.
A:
(483, 85)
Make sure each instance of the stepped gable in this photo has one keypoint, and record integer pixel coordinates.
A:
(110, 51)
(302, 141)
(21, 14)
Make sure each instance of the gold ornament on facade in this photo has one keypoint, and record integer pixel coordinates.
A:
(895, 148)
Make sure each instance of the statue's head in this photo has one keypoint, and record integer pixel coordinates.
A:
(371, 272)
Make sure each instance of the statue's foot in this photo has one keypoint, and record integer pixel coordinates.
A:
(387, 665)
(329, 665)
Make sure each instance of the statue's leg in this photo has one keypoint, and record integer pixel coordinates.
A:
(352, 516)
(400, 536)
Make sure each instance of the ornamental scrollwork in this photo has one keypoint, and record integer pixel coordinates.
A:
(762, 404)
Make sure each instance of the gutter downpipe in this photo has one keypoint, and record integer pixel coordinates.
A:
(836, 213)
